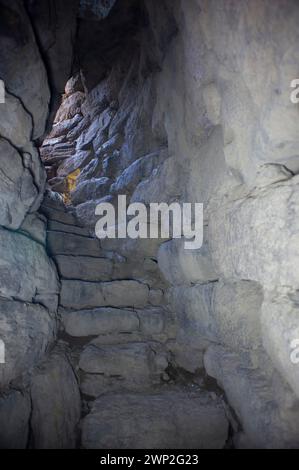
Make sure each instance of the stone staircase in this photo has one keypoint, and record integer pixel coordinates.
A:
(115, 320)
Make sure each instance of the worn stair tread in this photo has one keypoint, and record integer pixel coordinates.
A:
(62, 243)
(116, 324)
(176, 419)
(85, 268)
(129, 366)
(99, 321)
(83, 295)
(56, 226)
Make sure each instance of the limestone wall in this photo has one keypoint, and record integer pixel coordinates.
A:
(232, 131)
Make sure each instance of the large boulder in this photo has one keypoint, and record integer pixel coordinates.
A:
(256, 236)
(263, 402)
(27, 330)
(26, 272)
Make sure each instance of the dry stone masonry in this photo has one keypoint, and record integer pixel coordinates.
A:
(122, 343)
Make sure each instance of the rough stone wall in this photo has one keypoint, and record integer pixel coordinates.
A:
(28, 279)
(232, 131)
(190, 103)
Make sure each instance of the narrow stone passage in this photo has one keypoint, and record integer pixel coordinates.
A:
(124, 343)
(119, 333)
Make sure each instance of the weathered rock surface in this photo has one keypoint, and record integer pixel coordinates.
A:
(265, 223)
(34, 226)
(18, 190)
(56, 405)
(139, 170)
(27, 330)
(237, 310)
(99, 321)
(61, 243)
(263, 401)
(15, 409)
(81, 295)
(15, 122)
(95, 9)
(56, 226)
(280, 330)
(181, 266)
(78, 160)
(131, 366)
(90, 190)
(55, 27)
(84, 268)
(70, 107)
(194, 311)
(26, 272)
(22, 67)
(85, 212)
(60, 129)
(171, 420)
(119, 325)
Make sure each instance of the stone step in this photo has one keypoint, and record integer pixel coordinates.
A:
(56, 226)
(176, 419)
(61, 243)
(99, 321)
(131, 366)
(81, 295)
(107, 267)
(64, 217)
(114, 324)
(53, 201)
(85, 268)
(54, 208)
